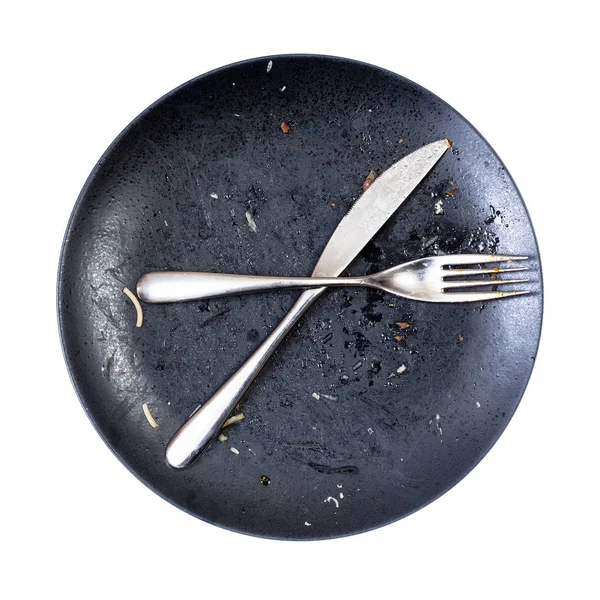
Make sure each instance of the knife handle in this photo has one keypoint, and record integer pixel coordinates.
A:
(180, 286)
(205, 422)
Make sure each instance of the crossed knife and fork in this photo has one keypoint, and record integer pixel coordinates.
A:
(431, 279)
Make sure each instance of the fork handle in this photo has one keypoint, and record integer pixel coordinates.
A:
(180, 286)
(206, 421)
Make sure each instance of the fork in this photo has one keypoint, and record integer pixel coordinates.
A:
(445, 278)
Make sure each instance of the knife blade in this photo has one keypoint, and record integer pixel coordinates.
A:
(375, 206)
(359, 225)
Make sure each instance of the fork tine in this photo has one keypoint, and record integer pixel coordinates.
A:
(474, 259)
(480, 282)
(459, 272)
(479, 296)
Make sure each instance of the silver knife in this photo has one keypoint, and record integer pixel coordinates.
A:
(359, 225)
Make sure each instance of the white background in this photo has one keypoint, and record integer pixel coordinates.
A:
(76, 524)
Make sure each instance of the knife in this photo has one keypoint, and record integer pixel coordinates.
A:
(359, 225)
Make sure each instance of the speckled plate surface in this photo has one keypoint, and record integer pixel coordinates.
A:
(348, 442)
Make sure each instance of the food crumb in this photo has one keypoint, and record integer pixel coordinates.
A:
(333, 204)
(222, 437)
(331, 499)
(234, 450)
(430, 241)
(138, 307)
(370, 178)
(398, 338)
(149, 416)
(234, 419)
(451, 192)
(460, 338)
(316, 396)
(265, 480)
(401, 369)
(437, 424)
(403, 325)
(251, 222)
(438, 208)
(400, 140)
(269, 65)
(285, 127)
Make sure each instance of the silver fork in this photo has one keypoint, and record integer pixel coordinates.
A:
(430, 279)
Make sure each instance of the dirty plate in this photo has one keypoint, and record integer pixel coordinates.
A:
(374, 405)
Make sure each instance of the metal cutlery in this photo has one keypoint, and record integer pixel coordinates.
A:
(430, 279)
(359, 225)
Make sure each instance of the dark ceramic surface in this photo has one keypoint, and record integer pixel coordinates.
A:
(388, 443)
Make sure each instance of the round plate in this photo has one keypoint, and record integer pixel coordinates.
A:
(374, 405)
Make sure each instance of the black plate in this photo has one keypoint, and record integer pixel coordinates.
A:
(377, 444)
